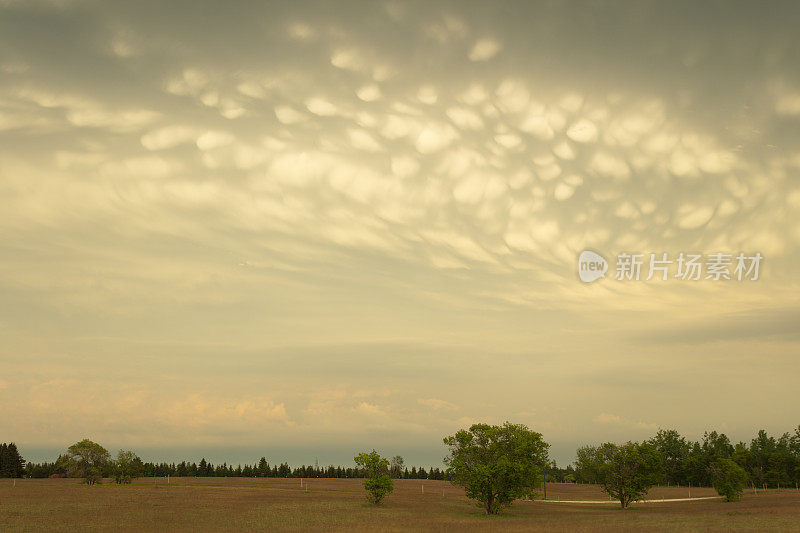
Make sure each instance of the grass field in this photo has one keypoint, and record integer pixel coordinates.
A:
(242, 504)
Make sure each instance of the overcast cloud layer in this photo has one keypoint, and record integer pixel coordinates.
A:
(320, 227)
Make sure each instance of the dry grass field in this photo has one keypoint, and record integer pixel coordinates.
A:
(236, 504)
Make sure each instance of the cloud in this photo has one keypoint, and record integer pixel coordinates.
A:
(369, 409)
(201, 410)
(406, 191)
(167, 137)
(612, 419)
(437, 404)
(484, 50)
(606, 418)
(214, 139)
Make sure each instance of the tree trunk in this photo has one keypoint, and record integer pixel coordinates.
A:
(624, 500)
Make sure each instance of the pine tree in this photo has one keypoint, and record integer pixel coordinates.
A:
(263, 467)
(11, 462)
(5, 464)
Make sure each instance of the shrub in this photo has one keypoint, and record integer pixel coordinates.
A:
(728, 479)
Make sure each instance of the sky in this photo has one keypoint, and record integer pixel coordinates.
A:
(306, 229)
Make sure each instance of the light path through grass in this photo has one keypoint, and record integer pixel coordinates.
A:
(643, 501)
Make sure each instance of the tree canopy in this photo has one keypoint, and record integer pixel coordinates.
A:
(626, 472)
(376, 468)
(11, 462)
(88, 460)
(496, 464)
(728, 478)
(396, 466)
(127, 467)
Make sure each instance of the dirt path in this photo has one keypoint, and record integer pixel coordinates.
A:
(643, 501)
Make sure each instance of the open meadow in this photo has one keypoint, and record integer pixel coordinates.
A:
(248, 504)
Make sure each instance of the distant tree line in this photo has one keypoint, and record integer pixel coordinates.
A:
(262, 468)
(767, 461)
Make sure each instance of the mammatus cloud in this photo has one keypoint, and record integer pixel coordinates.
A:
(287, 180)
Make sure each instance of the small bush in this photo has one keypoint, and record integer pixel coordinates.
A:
(728, 479)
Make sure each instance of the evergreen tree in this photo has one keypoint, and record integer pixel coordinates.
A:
(263, 467)
(11, 462)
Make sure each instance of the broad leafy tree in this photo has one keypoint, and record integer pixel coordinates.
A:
(586, 464)
(396, 466)
(626, 472)
(673, 449)
(88, 460)
(698, 461)
(496, 464)
(127, 467)
(378, 484)
(771, 462)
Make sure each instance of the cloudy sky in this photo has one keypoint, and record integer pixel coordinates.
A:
(302, 229)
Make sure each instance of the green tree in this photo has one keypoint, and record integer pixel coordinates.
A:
(673, 449)
(742, 457)
(396, 466)
(626, 472)
(716, 445)
(701, 454)
(127, 467)
(496, 464)
(794, 453)
(772, 463)
(378, 484)
(587, 464)
(728, 478)
(11, 462)
(88, 460)
(695, 466)
(263, 467)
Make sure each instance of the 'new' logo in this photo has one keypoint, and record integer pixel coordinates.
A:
(591, 266)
